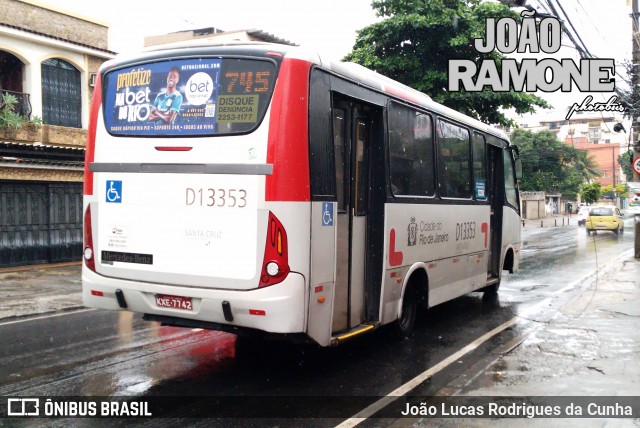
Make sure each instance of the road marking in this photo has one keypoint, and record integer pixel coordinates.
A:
(46, 316)
(362, 415)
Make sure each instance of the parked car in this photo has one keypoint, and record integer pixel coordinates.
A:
(604, 218)
(583, 213)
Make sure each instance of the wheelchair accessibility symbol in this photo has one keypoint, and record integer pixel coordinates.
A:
(114, 191)
(327, 214)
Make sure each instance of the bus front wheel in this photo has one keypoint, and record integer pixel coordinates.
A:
(403, 326)
(491, 289)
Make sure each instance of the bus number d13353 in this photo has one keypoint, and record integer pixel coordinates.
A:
(465, 230)
(230, 198)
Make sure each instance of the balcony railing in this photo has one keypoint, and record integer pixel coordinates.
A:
(23, 106)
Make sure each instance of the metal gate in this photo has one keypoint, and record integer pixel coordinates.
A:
(40, 222)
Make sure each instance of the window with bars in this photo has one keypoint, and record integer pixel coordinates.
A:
(61, 94)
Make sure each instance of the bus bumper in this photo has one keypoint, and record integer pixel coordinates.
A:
(268, 309)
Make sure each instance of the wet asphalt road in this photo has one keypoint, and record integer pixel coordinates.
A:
(100, 353)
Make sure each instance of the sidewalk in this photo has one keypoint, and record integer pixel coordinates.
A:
(41, 289)
(590, 348)
(556, 220)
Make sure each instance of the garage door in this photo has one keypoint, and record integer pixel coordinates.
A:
(40, 222)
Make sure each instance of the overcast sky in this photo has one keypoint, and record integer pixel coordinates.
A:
(329, 25)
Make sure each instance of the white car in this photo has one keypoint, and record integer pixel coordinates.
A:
(632, 210)
(583, 213)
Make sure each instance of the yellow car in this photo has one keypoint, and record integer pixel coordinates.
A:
(604, 218)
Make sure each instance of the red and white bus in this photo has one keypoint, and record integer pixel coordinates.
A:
(287, 195)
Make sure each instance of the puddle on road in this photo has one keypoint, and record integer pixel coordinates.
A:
(533, 287)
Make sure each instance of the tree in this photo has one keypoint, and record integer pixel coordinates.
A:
(586, 166)
(418, 38)
(624, 160)
(548, 164)
(591, 192)
(622, 191)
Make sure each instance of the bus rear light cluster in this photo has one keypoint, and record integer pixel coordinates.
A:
(275, 266)
(89, 257)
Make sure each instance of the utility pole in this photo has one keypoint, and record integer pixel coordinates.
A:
(635, 124)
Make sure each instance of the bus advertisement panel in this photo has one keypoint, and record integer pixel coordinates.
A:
(188, 97)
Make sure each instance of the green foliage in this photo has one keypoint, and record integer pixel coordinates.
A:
(36, 121)
(586, 166)
(550, 165)
(591, 192)
(9, 118)
(622, 191)
(625, 162)
(416, 40)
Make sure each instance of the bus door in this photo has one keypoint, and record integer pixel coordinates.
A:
(352, 140)
(496, 195)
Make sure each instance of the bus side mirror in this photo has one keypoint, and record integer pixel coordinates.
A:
(518, 169)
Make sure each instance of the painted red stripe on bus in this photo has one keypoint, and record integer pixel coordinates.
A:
(288, 145)
(395, 257)
(173, 149)
(89, 154)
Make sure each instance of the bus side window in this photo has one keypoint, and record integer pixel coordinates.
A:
(410, 152)
(454, 156)
(510, 180)
(479, 148)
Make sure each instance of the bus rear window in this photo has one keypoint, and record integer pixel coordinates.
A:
(188, 97)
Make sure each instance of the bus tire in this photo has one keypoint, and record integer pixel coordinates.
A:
(403, 326)
(490, 290)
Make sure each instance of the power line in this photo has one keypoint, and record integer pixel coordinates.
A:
(580, 46)
(589, 17)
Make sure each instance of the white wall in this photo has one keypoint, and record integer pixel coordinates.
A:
(32, 50)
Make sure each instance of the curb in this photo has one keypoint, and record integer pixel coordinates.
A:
(40, 266)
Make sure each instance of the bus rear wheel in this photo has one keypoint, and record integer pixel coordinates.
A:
(403, 326)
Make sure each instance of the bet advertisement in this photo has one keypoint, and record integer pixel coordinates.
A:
(165, 98)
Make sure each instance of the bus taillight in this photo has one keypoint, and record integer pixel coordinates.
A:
(275, 266)
(88, 254)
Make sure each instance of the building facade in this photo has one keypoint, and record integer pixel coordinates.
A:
(592, 132)
(215, 35)
(48, 61)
